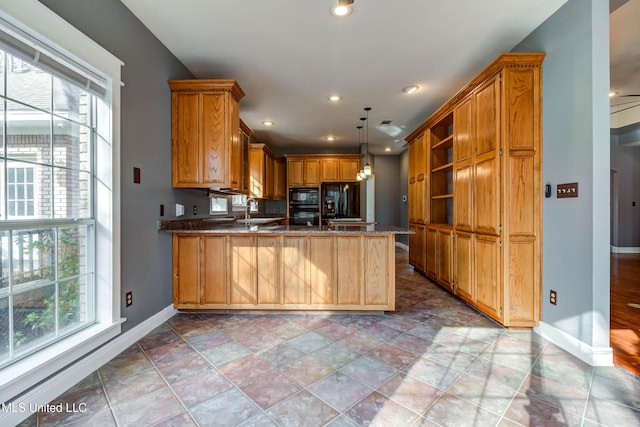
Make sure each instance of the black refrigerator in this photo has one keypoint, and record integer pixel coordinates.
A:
(340, 200)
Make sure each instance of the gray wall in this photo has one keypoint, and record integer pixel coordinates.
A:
(146, 143)
(625, 161)
(404, 191)
(576, 148)
(387, 203)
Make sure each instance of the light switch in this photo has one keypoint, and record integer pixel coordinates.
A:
(179, 209)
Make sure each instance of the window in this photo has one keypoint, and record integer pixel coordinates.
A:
(20, 196)
(219, 205)
(49, 134)
(60, 269)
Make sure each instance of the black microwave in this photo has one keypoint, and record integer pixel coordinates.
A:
(303, 195)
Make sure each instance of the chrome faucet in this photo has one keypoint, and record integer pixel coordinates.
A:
(247, 212)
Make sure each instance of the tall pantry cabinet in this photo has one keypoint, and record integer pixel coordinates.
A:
(481, 201)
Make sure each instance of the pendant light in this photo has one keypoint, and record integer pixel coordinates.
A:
(360, 175)
(368, 171)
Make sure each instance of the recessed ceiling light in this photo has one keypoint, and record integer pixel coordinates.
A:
(267, 123)
(330, 138)
(387, 149)
(334, 98)
(343, 8)
(410, 89)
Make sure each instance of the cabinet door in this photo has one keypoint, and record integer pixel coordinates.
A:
(412, 245)
(486, 178)
(329, 169)
(311, 172)
(463, 168)
(295, 176)
(279, 178)
(268, 280)
(377, 271)
(463, 277)
(186, 160)
(445, 257)
(321, 259)
(243, 275)
(487, 275)
(257, 173)
(349, 168)
(268, 177)
(432, 252)
(295, 270)
(186, 270)
(349, 260)
(421, 245)
(214, 140)
(234, 143)
(215, 270)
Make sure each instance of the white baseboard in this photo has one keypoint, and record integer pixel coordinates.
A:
(594, 356)
(624, 250)
(402, 246)
(50, 389)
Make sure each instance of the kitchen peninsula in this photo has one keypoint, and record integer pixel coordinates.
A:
(235, 267)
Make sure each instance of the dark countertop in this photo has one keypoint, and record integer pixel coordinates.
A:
(214, 226)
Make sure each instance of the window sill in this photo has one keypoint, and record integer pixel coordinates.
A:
(18, 377)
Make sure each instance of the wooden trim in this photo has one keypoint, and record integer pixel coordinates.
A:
(516, 59)
(211, 86)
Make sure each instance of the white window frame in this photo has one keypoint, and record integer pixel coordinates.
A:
(35, 18)
(11, 166)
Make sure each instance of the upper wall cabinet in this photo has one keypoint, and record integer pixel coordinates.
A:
(310, 170)
(207, 148)
(266, 173)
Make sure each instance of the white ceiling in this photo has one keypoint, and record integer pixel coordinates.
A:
(290, 55)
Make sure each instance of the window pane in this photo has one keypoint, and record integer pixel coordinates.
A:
(72, 191)
(72, 251)
(28, 134)
(5, 266)
(73, 309)
(28, 84)
(33, 317)
(22, 191)
(70, 101)
(219, 205)
(33, 256)
(4, 329)
(103, 119)
(71, 144)
(1, 117)
(2, 67)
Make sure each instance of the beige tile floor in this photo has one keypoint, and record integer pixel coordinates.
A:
(433, 362)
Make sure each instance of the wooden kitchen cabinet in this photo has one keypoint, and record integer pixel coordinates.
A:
(244, 271)
(279, 178)
(310, 170)
(197, 283)
(349, 168)
(485, 188)
(207, 149)
(295, 175)
(329, 169)
(261, 171)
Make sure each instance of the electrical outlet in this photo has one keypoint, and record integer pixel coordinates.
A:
(129, 298)
(553, 297)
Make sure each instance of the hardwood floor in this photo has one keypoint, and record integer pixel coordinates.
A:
(625, 311)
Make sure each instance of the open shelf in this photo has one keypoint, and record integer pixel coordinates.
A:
(446, 143)
(442, 196)
(443, 167)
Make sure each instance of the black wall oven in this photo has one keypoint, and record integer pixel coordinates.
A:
(304, 206)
